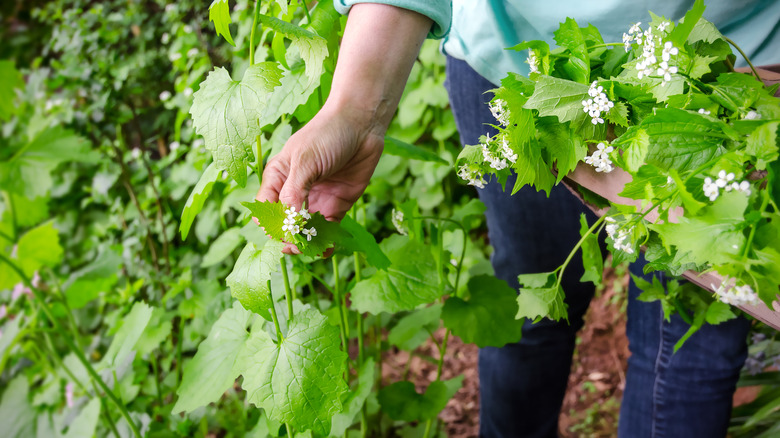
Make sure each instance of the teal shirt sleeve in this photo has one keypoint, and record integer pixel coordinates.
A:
(440, 11)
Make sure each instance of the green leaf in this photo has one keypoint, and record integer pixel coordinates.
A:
(28, 171)
(295, 90)
(363, 241)
(222, 247)
(85, 424)
(197, 198)
(10, 80)
(718, 312)
(763, 144)
(487, 318)
(540, 296)
(270, 216)
(408, 282)
(98, 276)
(560, 98)
(698, 321)
(700, 66)
(635, 142)
(39, 247)
(712, 237)
(400, 401)
(618, 114)
(569, 36)
(299, 379)
(592, 259)
(414, 328)
(132, 327)
(704, 31)
(402, 149)
(219, 13)
(691, 204)
(737, 92)
(248, 282)
(354, 400)
(682, 30)
(681, 139)
(566, 148)
(312, 47)
(218, 362)
(226, 113)
(15, 409)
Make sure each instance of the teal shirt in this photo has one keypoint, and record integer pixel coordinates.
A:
(478, 31)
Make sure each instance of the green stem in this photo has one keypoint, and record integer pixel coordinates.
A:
(755, 72)
(576, 247)
(339, 304)
(439, 366)
(751, 235)
(179, 350)
(106, 414)
(252, 33)
(259, 165)
(156, 370)
(14, 226)
(6, 237)
(288, 295)
(275, 318)
(77, 351)
(597, 46)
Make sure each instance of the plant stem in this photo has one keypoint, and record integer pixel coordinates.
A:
(755, 72)
(77, 351)
(14, 226)
(274, 317)
(259, 165)
(338, 300)
(156, 370)
(576, 247)
(179, 349)
(288, 295)
(252, 33)
(106, 414)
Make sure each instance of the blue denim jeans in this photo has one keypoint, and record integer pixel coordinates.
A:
(687, 394)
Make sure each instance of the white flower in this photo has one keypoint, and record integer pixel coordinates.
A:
(752, 115)
(704, 111)
(710, 189)
(175, 56)
(309, 233)
(19, 290)
(600, 158)
(165, 95)
(533, 62)
(600, 103)
(3, 311)
(499, 111)
(397, 217)
(173, 146)
(36, 280)
(165, 38)
(305, 214)
(473, 176)
(635, 28)
(170, 7)
(665, 70)
(619, 236)
(729, 293)
(627, 40)
(193, 52)
(135, 153)
(290, 211)
(662, 27)
(187, 92)
(508, 153)
(69, 394)
(668, 51)
(187, 28)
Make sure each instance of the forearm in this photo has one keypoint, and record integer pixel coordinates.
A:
(378, 50)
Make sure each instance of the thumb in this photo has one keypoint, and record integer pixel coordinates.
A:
(295, 191)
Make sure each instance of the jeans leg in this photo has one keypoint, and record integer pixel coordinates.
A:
(683, 394)
(522, 385)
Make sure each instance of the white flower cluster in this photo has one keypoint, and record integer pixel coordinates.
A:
(752, 115)
(704, 111)
(502, 158)
(649, 63)
(600, 158)
(295, 223)
(726, 182)
(500, 111)
(397, 217)
(533, 62)
(473, 176)
(598, 103)
(729, 293)
(619, 236)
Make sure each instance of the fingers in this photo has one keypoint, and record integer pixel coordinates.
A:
(295, 191)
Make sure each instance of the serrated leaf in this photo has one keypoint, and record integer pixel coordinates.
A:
(560, 98)
(718, 312)
(566, 148)
(682, 140)
(487, 318)
(219, 13)
(569, 36)
(592, 259)
(28, 171)
(361, 240)
(704, 31)
(39, 247)
(133, 325)
(10, 80)
(248, 282)
(295, 90)
(408, 282)
(700, 66)
(354, 400)
(222, 247)
(299, 380)
(197, 198)
(682, 30)
(270, 216)
(763, 144)
(400, 400)
(540, 297)
(218, 362)
(414, 328)
(402, 149)
(691, 204)
(618, 114)
(712, 237)
(312, 47)
(226, 113)
(635, 142)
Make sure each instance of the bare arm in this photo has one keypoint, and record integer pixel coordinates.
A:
(329, 162)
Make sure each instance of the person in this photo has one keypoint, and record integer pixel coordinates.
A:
(328, 164)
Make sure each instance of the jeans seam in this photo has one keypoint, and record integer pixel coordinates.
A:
(657, 370)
